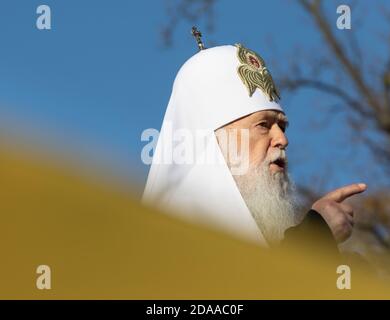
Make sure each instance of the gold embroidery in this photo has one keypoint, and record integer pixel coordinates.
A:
(254, 74)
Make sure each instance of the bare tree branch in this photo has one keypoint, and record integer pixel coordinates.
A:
(296, 83)
(353, 71)
(187, 10)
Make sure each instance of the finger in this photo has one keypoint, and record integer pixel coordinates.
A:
(342, 231)
(341, 194)
(347, 208)
(350, 218)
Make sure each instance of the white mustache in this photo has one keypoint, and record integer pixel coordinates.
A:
(277, 154)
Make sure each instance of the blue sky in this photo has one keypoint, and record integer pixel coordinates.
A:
(101, 76)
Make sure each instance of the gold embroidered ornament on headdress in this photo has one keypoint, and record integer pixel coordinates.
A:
(254, 73)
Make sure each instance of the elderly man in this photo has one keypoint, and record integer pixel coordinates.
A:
(221, 154)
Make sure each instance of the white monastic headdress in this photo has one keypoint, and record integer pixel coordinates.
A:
(214, 87)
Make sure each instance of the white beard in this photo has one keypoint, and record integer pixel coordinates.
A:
(270, 199)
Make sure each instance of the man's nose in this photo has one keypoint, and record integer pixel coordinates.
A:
(279, 139)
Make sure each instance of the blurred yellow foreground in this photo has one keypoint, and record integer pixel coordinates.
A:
(100, 243)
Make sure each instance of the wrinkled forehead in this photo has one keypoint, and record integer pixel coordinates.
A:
(280, 115)
(275, 115)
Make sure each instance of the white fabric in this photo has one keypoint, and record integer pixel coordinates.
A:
(207, 94)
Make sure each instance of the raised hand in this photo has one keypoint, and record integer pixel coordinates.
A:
(337, 214)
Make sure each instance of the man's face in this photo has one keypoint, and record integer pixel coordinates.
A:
(266, 134)
(264, 185)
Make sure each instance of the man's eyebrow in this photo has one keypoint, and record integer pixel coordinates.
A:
(284, 119)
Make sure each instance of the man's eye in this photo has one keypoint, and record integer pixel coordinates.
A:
(263, 124)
